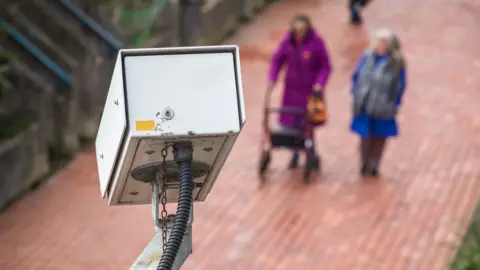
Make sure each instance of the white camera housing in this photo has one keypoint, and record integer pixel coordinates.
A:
(161, 96)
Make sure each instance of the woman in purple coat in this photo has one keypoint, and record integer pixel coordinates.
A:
(307, 69)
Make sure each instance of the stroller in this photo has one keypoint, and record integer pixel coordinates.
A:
(299, 138)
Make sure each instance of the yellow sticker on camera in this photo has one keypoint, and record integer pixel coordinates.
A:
(145, 125)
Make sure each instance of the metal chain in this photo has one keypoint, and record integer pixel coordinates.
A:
(163, 196)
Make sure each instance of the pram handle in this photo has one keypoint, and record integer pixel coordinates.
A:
(299, 112)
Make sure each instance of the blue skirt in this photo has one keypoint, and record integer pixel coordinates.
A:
(366, 126)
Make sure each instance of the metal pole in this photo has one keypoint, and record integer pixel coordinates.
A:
(151, 255)
(155, 202)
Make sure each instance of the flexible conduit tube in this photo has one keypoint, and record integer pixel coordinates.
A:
(181, 220)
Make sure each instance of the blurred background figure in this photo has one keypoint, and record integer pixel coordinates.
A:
(379, 81)
(308, 68)
(355, 9)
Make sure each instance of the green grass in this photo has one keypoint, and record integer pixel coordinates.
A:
(468, 256)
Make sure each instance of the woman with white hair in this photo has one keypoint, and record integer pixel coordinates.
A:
(379, 82)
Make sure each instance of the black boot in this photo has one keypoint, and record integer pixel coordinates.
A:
(375, 173)
(364, 170)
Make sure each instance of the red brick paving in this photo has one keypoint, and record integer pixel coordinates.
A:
(408, 220)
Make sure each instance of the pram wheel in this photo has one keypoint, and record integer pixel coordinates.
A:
(264, 162)
(313, 164)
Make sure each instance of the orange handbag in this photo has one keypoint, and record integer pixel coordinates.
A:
(317, 110)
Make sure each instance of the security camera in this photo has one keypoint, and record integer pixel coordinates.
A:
(158, 99)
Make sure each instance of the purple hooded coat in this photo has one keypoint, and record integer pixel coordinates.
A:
(307, 64)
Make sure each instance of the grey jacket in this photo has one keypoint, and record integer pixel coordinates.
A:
(378, 88)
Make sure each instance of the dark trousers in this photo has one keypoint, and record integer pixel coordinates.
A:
(355, 6)
(371, 151)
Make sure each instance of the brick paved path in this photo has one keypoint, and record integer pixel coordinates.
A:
(408, 220)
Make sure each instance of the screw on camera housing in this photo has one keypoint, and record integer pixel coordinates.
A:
(168, 113)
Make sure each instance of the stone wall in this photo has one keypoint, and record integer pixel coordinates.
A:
(62, 116)
(56, 116)
(26, 157)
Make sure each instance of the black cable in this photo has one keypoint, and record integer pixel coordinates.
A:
(184, 207)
